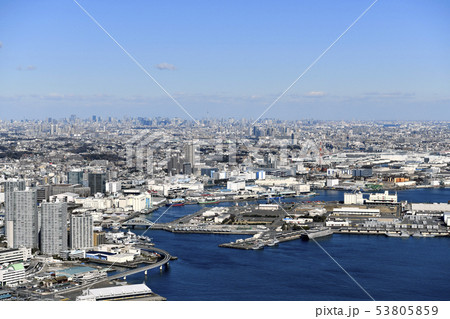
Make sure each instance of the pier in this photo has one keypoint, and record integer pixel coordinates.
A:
(274, 238)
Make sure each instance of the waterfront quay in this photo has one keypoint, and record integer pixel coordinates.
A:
(270, 224)
(213, 220)
(266, 222)
(270, 238)
(393, 231)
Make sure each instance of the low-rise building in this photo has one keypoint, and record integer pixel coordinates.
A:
(332, 182)
(268, 207)
(383, 197)
(353, 199)
(298, 221)
(430, 208)
(115, 293)
(15, 255)
(355, 211)
(337, 223)
(12, 274)
(235, 185)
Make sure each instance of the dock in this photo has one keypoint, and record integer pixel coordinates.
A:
(317, 233)
(269, 239)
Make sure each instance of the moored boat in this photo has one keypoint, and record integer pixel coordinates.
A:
(273, 242)
(422, 235)
(402, 234)
(206, 200)
(176, 202)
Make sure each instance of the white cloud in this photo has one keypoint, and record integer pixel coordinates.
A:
(315, 94)
(28, 68)
(165, 66)
(389, 95)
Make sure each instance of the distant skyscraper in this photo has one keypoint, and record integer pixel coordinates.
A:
(97, 182)
(81, 231)
(53, 228)
(75, 177)
(189, 154)
(174, 165)
(25, 219)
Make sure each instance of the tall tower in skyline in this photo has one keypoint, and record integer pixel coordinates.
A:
(53, 228)
(10, 187)
(25, 219)
(189, 154)
(173, 165)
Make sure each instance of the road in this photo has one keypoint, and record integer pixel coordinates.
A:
(126, 273)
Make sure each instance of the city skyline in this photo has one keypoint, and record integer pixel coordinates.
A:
(87, 197)
(225, 61)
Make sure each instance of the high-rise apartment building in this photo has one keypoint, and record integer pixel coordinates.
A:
(189, 154)
(25, 219)
(81, 231)
(10, 187)
(53, 228)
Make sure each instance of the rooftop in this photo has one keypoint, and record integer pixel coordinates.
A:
(73, 271)
(18, 266)
(127, 290)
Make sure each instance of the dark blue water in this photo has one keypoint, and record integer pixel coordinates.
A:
(422, 195)
(387, 268)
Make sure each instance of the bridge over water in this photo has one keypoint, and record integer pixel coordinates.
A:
(162, 262)
(138, 222)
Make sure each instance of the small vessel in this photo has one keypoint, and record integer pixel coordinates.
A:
(422, 235)
(176, 202)
(307, 194)
(258, 245)
(145, 238)
(206, 200)
(273, 242)
(402, 234)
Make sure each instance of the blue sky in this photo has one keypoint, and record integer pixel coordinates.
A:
(226, 59)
